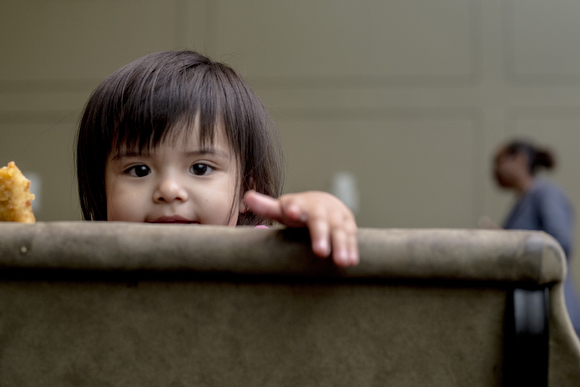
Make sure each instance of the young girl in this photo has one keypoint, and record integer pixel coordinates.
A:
(176, 138)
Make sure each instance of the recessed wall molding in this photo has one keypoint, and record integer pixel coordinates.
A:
(538, 113)
(350, 114)
(39, 117)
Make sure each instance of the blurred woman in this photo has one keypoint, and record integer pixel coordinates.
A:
(541, 204)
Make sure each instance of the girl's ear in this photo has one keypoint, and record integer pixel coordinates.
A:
(242, 208)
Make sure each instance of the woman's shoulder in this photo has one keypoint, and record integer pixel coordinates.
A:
(545, 185)
(546, 189)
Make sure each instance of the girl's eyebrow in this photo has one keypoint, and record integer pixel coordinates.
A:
(197, 152)
(213, 151)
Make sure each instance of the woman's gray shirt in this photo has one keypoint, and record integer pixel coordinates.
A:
(545, 207)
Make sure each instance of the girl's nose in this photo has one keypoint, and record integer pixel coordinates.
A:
(170, 189)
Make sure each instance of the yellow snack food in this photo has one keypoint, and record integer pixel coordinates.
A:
(15, 197)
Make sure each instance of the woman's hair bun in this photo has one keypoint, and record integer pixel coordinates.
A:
(537, 157)
(544, 158)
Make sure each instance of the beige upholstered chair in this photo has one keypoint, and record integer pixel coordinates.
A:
(114, 304)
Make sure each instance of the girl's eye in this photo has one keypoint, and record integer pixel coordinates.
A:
(139, 171)
(200, 169)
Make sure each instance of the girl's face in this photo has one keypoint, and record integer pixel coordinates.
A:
(177, 182)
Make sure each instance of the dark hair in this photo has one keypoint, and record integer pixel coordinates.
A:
(537, 157)
(149, 100)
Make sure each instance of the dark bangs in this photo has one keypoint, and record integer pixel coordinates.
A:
(156, 99)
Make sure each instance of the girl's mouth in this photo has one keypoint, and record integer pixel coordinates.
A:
(173, 219)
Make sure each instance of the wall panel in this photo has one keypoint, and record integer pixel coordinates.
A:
(345, 43)
(71, 40)
(43, 145)
(543, 41)
(413, 169)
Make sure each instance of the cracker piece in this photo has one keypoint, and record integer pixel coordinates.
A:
(15, 197)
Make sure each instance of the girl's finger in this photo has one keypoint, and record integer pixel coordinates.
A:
(348, 225)
(352, 247)
(320, 236)
(344, 249)
(294, 211)
(263, 205)
(340, 252)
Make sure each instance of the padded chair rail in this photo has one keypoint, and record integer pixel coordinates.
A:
(390, 327)
(531, 258)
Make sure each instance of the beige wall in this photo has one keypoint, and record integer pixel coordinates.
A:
(412, 96)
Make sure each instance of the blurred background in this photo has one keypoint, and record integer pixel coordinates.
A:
(400, 103)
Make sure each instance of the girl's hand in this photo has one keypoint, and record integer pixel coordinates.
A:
(331, 224)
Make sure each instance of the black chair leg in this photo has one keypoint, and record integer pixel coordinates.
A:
(526, 338)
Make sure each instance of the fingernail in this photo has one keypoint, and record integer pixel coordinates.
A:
(354, 258)
(323, 247)
(342, 257)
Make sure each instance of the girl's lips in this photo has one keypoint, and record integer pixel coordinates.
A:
(173, 219)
